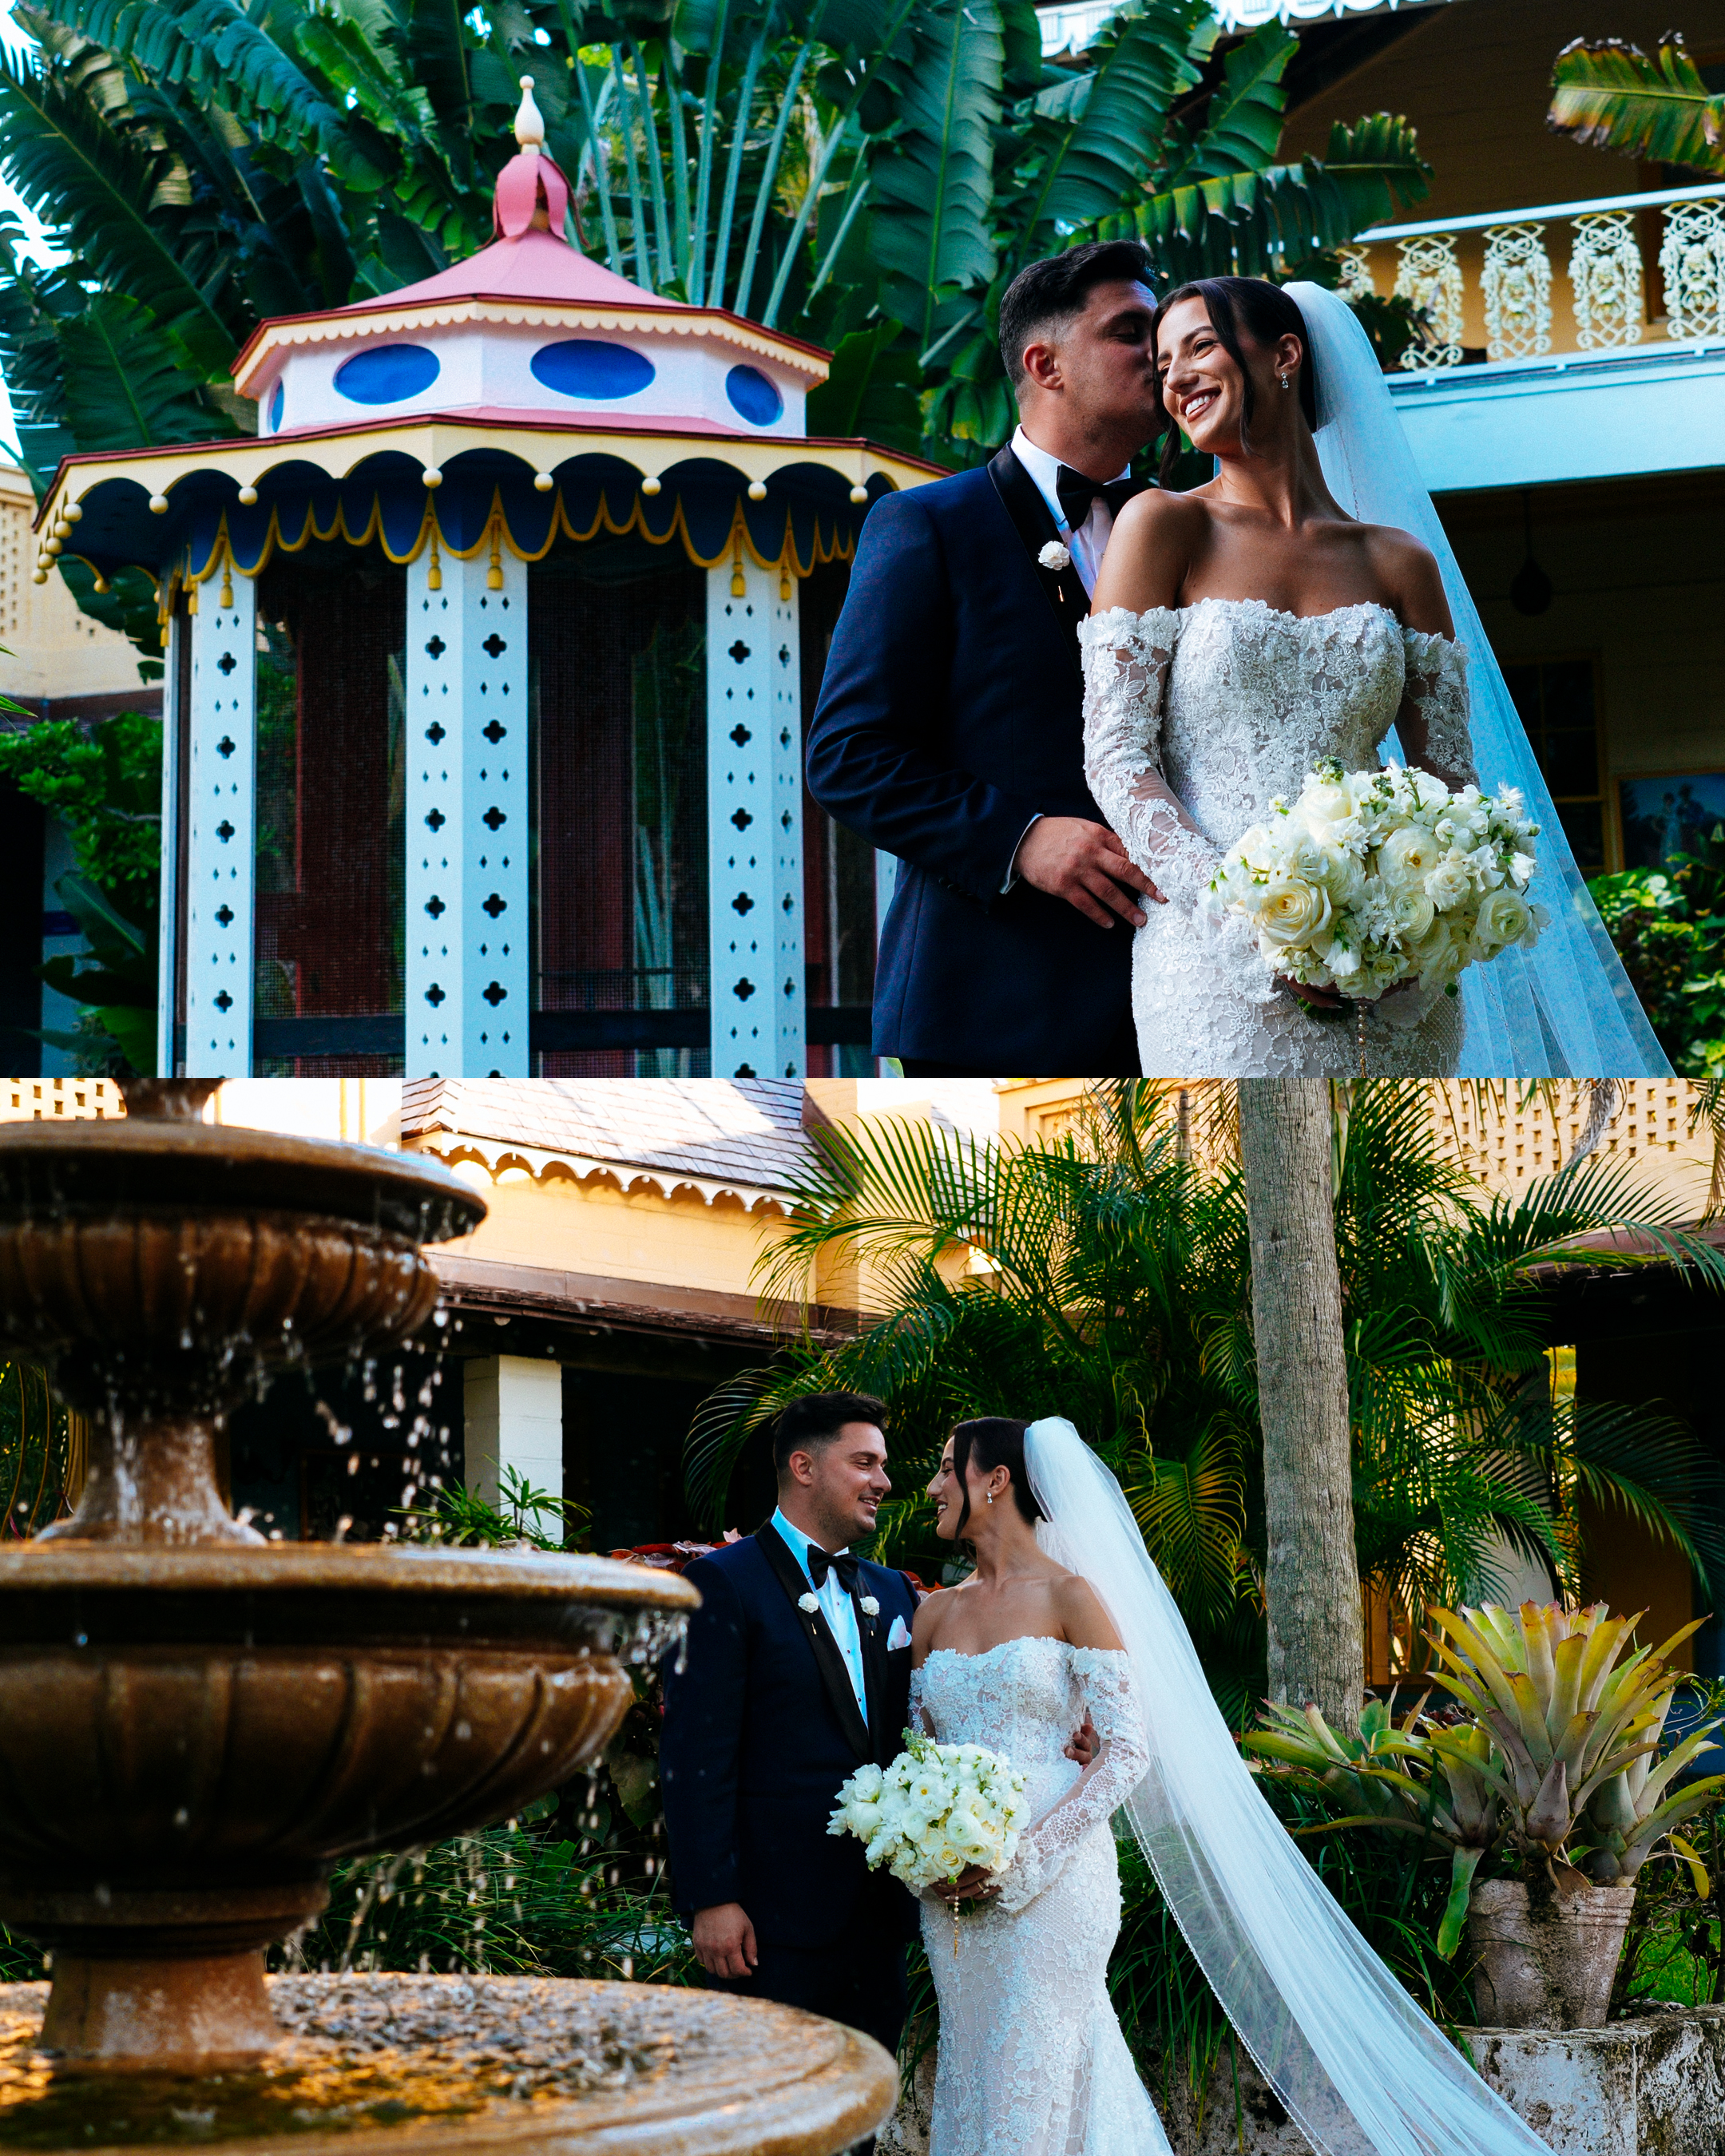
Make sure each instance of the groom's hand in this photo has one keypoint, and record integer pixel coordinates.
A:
(1083, 1747)
(725, 1940)
(1084, 864)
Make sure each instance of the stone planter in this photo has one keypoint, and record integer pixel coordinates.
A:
(1545, 1960)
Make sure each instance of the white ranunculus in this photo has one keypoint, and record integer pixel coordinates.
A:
(1407, 856)
(1292, 911)
(1413, 913)
(1504, 918)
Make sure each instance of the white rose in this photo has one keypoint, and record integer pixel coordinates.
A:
(1504, 917)
(1449, 882)
(1292, 911)
(1055, 556)
(867, 1605)
(1325, 802)
(807, 1602)
(867, 1782)
(1441, 954)
(864, 1821)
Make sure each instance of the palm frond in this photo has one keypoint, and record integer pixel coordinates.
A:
(1607, 95)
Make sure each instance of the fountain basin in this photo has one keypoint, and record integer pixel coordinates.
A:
(191, 1737)
(428, 2065)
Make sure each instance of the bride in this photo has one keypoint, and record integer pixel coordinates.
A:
(1066, 1612)
(1280, 614)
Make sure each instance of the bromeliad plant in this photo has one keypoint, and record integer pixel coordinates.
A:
(1393, 1776)
(1575, 1733)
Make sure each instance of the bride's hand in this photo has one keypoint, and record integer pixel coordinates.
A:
(973, 1885)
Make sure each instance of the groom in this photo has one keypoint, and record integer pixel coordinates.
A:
(949, 731)
(771, 1706)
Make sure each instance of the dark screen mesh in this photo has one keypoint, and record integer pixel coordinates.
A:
(837, 874)
(617, 642)
(331, 635)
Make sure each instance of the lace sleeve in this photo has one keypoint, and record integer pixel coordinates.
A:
(1126, 660)
(1122, 1755)
(917, 1714)
(1432, 722)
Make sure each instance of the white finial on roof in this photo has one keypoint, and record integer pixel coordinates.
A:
(530, 120)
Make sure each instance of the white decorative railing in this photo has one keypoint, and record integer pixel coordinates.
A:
(1489, 280)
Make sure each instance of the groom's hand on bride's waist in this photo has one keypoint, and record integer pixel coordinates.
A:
(1084, 864)
(724, 1940)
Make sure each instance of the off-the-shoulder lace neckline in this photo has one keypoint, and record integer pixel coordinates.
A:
(1282, 613)
(1024, 1638)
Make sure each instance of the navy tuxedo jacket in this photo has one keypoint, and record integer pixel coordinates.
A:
(951, 714)
(761, 1727)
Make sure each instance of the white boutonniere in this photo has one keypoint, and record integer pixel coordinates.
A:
(869, 1606)
(1055, 557)
(808, 1602)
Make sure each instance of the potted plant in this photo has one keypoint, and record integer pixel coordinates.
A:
(1547, 1794)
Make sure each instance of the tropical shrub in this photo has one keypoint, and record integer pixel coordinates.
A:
(1669, 926)
(868, 173)
(1105, 1275)
(1610, 95)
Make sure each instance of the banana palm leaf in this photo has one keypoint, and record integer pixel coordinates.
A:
(126, 382)
(1609, 96)
(931, 180)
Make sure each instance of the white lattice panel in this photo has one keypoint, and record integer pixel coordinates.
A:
(467, 987)
(222, 841)
(169, 924)
(754, 824)
(790, 994)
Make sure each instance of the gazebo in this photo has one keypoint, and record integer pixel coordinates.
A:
(488, 663)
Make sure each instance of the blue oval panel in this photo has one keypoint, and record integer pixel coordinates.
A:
(754, 395)
(582, 367)
(276, 402)
(387, 375)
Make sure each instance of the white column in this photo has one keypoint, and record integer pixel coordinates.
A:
(168, 941)
(513, 1417)
(754, 824)
(467, 991)
(222, 842)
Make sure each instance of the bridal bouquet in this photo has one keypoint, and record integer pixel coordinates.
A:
(935, 1811)
(1371, 878)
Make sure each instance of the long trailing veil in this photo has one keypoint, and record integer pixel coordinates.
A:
(1566, 1008)
(1361, 2069)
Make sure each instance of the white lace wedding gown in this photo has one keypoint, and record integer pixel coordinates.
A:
(1196, 717)
(1032, 2060)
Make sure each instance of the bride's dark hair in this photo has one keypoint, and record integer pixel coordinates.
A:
(994, 1441)
(1267, 314)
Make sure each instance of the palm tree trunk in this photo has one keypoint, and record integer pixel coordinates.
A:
(1311, 1580)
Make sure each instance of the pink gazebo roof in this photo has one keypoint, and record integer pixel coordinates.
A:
(538, 265)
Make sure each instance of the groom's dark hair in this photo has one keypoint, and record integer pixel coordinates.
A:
(814, 1420)
(1052, 291)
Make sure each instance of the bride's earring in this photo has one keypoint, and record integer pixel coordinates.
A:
(1284, 380)
(991, 1497)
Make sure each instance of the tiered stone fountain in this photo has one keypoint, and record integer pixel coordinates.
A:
(196, 1724)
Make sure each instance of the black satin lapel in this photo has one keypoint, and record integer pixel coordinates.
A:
(828, 1659)
(1022, 498)
(875, 1673)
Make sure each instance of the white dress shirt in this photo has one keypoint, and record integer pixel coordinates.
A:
(836, 1605)
(1086, 543)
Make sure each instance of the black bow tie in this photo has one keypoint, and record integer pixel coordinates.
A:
(1077, 493)
(820, 1565)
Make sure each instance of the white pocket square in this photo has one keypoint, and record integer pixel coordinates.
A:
(899, 1636)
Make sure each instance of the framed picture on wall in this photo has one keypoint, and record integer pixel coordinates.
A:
(1668, 812)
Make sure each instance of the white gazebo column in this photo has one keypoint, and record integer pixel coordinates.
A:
(512, 1416)
(222, 838)
(169, 926)
(754, 763)
(467, 988)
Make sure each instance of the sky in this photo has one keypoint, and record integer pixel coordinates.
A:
(10, 207)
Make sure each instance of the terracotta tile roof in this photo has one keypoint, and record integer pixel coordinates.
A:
(743, 1131)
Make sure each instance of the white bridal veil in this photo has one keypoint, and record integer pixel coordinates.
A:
(1566, 1008)
(1361, 2069)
